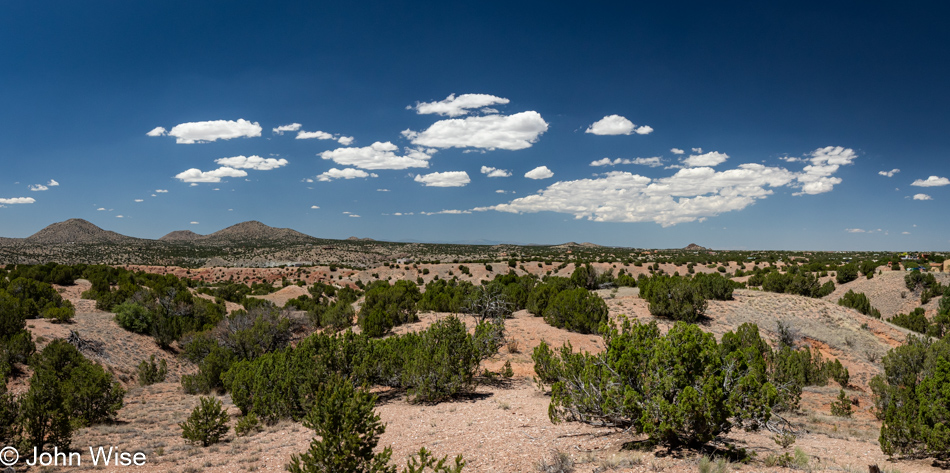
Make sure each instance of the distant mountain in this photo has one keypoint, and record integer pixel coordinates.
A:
(181, 235)
(75, 230)
(695, 247)
(256, 231)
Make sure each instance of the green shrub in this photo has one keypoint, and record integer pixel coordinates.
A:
(247, 425)
(671, 387)
(346, 431)
(338, 316)
(859, 302)
(846, 273)
(911, 399)
(916, 320)
(66, 391)
(387, 306)
(842, 406)
(674, 298)
(577, 310)
(210, 369)
(133, 317)
(207, 424)
(149, 372)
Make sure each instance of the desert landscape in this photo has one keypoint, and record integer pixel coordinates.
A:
(502, 422)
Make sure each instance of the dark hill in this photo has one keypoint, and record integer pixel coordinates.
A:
(181, 235)
(256, 231)
(75, 230)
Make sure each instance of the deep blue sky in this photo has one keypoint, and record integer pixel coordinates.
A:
(805, 99)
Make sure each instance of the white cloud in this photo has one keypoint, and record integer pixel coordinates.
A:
(495, 172)
(194, 223)
(120, 216)
(379, 156)
(252, 162)
(161, 191)
(38, 187)
(382, 190)
(100, 209)
(201, 132)
(140, 200)
(195, 176)
(52, 183)
(345, 140)
(314, 206)
(617, 125)
(511, 132)
(932, 181)
(889, 173)
(855, 230)
(281, 129)
(354, 216)
(905, 233)
(690, 194)
(347, 173)
(540, 172)
(676, 151)
(444, 179)
(697, 150)
(157, 131)
(922, 197)
(447, 212)
(320, 135)
(454, 106)
(17, 200)
(652, 162)
(823, 163)
(711, 158)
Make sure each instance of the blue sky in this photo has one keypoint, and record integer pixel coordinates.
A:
(731, 125)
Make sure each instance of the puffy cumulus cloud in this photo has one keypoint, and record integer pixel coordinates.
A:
(354, 215)
(382, 190)
(511, 132)
(140, 200)
(676, 151)
(252, 162)
(617, 125)
(157, 131)
(932, 181)
(922, 197)
(100, 209)
(195, 176)
(52, 183)
(345, 140)
(889, 173)
(690, 194)
(314, 206)
(379, 156)
(495, 172)
(309, 135)
(444, 179)
(816, 177)
(454, 106)
(651, 162)
(203, 132)
(17, 200)
(161, 191)
(540, 172)
(38, 187)
(281, 129)
(120, 216)
(711, 158)
(193, 223)
(347, 173)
